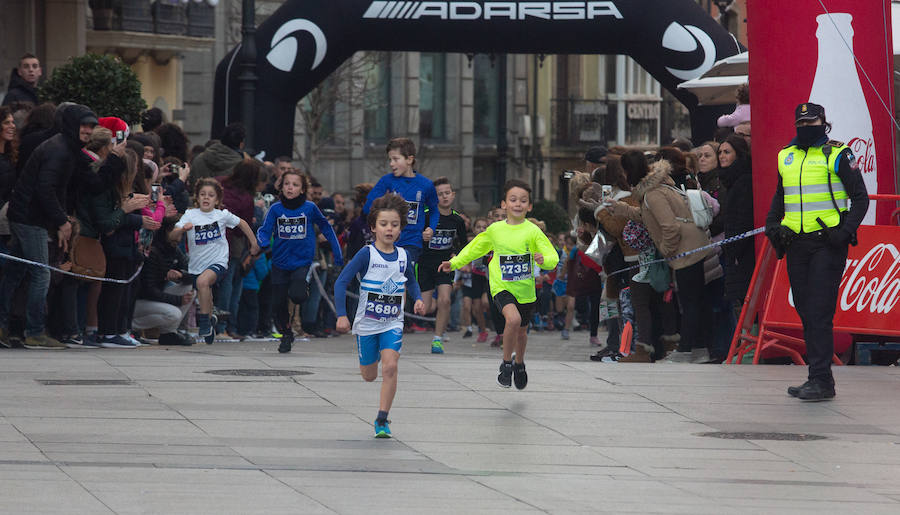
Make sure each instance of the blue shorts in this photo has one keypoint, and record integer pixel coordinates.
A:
(370, 346)
(218, 269)
(413, 254)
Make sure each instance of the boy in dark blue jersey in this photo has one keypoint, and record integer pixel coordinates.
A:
(417, 190)
(288, 229)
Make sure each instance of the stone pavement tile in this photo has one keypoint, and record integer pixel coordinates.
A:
(148, 490)
(813, 507)
(667, 462)
(355, 492)
(31, 472)
(364, 394)
(868, 474)
(174, 447)
(9, 433)
(570, 494)
(843, 430)
(34, 428)
(48, 496)
(20, 451)
(523, 432)
(262, 414)
(786, 411)
(651, 437)
(840, 452)
(575, 401)
(577, 424)
(349, 428)
(73, 457)
(520, 458)
(789, 491)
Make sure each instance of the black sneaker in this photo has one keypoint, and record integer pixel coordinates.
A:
(520, 377)
(468, 333)
(504, 378)
(286, 341)
(816, 391)
(210, 337)
(74, 342)
(793, 391)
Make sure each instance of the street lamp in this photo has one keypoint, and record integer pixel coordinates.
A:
(247, 78)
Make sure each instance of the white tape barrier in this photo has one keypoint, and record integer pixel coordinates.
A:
(351, 294)
(72, 274)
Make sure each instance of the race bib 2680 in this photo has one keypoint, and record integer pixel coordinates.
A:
(204, 234)
(516, 267)
(383, 307)
(293, 228)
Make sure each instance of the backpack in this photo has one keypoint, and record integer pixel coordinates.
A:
(701, 211)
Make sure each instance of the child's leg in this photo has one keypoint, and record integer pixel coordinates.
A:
(511, 330)
(389, 360)
(570, 311)
(280, 307)
(466, 315)
(478, 311)
(443, 308)
(369, 373)
(428, 299)
(521, 342)
(204, 291)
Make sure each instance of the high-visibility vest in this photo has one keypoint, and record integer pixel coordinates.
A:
(805, 176)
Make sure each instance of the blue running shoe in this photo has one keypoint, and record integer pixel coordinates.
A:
(382, 429)
(437, 347)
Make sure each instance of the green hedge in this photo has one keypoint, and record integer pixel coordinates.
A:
(106, 85)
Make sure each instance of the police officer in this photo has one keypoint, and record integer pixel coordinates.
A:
(810, 221)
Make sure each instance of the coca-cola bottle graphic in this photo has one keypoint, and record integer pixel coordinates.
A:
(837, 88)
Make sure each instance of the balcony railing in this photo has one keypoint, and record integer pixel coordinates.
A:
(579, 123)
(174, 17)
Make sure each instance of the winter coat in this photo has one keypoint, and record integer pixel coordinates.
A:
(239, 202)
(666, 214)
(19, 90)
(30, 140)
(41, 194)
(85, 208)
(740, 256)
(740, 115)
(163, 257)
(114, 227)
(614, 225)
(216, 160)
(7, 178)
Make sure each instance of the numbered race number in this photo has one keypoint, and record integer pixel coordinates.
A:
(515, 268)
(412, 216)
(383, 307)
(205, 234)
(292, 228)
(442, 239)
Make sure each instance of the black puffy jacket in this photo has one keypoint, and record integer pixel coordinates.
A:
(40, 196)
(163, 257)
(19, 90)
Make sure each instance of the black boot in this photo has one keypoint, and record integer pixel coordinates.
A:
(816, 391)
(793, 391)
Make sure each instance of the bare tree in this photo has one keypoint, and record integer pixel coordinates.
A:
(331, 114)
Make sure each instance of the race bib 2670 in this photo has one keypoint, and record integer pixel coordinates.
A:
(291, 228)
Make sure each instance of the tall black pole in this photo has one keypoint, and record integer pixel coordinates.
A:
(247, 78)
(502, 144)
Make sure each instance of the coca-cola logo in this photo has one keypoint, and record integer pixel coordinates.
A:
(864, 151)
(870, 284)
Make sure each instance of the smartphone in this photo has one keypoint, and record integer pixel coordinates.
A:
(606, 194)
(154, 192)
(120, 136)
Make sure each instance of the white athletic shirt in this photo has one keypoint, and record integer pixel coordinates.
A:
(382, 294)
(207, 245)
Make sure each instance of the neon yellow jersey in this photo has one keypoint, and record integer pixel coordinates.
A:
(512, 268)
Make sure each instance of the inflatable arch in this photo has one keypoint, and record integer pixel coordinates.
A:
(302, 42)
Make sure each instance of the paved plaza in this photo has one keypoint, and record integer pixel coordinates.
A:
(151, 430)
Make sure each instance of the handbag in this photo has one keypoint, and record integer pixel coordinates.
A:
(659, 275)
(88, 257)
(601, 245)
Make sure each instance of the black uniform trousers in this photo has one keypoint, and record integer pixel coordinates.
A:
(815, 269)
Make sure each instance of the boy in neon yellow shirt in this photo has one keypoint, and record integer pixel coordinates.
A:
(518, 245)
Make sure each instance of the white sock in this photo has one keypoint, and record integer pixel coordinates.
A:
(470, 329)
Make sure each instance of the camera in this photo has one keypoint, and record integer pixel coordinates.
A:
(568, 174)
(120, 136)
(154, 192)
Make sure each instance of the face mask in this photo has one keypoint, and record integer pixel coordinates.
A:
(808, 135)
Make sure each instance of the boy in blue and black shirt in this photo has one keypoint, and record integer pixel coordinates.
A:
(288, 229)
(417, 190)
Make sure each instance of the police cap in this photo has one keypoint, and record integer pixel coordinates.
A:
(809, 111)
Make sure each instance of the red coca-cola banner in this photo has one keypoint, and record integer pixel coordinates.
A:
(870, 287)
(799, 53)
